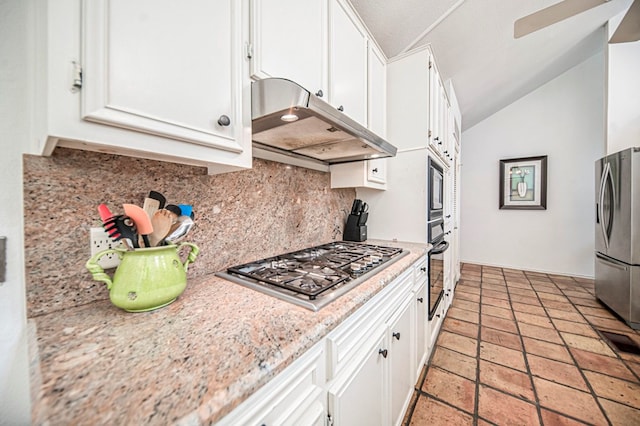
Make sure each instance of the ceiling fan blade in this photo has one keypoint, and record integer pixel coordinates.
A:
(629, 28)
(551, 15)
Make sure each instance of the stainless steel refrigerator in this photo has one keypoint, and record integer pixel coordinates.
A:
(617, 243)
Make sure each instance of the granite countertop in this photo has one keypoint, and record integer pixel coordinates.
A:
(190, 362)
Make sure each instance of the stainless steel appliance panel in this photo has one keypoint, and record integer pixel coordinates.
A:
(436, 275)
(618, 286)
(617, 227)
(435, 192)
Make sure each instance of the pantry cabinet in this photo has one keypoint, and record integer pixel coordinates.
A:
(127, 78)
(289, 40)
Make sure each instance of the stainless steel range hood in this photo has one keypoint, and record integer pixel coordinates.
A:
(288, 119)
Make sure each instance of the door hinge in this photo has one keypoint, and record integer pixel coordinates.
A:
(429, 135)
(76, 83)
(248, 50)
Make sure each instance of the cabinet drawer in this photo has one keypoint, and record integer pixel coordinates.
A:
(420, 272)
(296, 393)
(344, 341)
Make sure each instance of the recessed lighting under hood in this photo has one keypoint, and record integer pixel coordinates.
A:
(288, 119)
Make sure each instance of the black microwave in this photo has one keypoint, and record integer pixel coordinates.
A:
(435, 189)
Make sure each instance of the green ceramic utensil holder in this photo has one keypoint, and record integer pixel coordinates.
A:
(147, 278)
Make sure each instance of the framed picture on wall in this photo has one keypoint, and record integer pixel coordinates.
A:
(523, 183)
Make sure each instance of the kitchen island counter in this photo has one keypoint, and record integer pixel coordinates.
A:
(190, 362)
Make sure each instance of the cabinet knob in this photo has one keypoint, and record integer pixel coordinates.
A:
(420, 299)
(396, 335)
(341, 108)
(224, 120)
(383, 352)
(319, 93)
(374, 170)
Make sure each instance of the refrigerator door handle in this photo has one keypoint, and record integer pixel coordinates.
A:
(612, 262)
(606, 175)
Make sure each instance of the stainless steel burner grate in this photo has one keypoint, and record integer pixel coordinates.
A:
(314, 276)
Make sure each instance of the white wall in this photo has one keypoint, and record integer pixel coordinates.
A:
(14, 131)
(623, 98)
(564, 119)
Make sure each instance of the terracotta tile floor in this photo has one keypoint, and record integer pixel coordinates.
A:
(523, 348)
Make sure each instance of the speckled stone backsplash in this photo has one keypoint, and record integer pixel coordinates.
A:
(240, 216)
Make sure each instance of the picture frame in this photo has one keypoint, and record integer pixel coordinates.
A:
(523, 183)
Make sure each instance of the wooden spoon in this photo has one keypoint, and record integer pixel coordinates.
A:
(161, 221)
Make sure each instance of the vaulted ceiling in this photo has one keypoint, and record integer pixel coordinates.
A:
(474, 46)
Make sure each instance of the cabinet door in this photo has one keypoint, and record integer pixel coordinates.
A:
(347, 63)
(401, 365)
(377, 170)
(288, 40)
(357, 396)
(377, 78)
(420, 299)
(167, 68)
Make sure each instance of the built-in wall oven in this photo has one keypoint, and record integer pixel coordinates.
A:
(435, 192)
(436, 275)
(436, 235)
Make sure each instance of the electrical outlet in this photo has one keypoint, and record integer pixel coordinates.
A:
(100, 241)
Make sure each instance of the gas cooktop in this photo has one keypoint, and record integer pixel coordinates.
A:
(315, 276)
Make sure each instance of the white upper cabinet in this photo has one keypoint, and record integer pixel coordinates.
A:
(371, 173)
(164, 80)
(347, 63)
(288, 40)
(377, 90)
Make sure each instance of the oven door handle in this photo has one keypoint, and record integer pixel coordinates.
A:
(440, 248)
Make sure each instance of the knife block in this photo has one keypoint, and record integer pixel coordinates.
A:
(353, 231)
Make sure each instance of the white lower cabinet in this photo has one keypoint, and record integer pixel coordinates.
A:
(401, 377)
(436, 322)
(421, 347)
(357, 395)
(362, 373)
(295, 397)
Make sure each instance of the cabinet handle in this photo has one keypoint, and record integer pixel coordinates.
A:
(374, 170)
(340, 108)
(438, 315)
(423, 269)
(420, 299)
(319, 93)
(447, 233)
(396, 335)
(224, 121)
(383, 352)
(448, 216)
